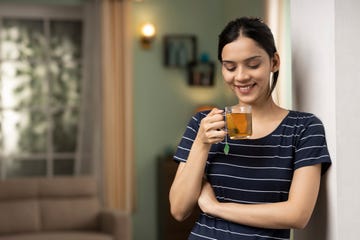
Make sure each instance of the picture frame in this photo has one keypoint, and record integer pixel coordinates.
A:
(179, 50)
(201, 74)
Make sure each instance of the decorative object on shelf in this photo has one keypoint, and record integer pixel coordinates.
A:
(148, 32)
(179, 50)
(201, 73)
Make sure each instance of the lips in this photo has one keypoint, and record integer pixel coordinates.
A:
(245, 89)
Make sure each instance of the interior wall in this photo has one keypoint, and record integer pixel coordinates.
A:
(347, 54)
(326, 74)
(163, 101)
(238, 8)
(313, 65)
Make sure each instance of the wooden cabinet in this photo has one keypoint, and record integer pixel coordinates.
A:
(169, 228)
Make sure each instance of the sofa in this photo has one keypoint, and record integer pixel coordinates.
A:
(59, 208)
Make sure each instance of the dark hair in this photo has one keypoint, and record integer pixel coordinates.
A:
(255, 29)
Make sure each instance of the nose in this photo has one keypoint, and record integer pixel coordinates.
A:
(241, 75)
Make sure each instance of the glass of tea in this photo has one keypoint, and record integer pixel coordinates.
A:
(238, 121)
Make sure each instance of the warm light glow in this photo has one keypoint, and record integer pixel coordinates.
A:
(147, 35)
(148, 30)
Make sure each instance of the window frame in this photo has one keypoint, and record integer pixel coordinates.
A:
(45, 12)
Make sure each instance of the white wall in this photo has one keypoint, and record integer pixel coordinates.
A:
(347, 65)
(326, 74)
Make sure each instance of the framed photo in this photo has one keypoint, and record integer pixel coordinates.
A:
(201, 73)
(179, 50)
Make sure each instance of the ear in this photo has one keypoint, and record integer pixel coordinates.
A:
(275, 62)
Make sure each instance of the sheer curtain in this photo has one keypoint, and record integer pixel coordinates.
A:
(106, 139)
(89, 153)
(278, 17)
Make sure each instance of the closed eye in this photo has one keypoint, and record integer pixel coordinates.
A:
(232, 69)
(254, 66)
(229, 66)
(254, 62)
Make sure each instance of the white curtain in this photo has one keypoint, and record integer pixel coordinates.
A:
(277, 16)
(89, 155)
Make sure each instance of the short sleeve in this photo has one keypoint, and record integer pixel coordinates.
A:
(183, 149)
(311, 147)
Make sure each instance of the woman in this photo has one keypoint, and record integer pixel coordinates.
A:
(266, 184)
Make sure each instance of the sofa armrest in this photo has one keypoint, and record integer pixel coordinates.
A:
(115, 223)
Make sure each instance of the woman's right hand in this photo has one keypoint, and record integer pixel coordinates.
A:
(187, 184)
(212, 127)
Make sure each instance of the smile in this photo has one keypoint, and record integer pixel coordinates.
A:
(245, 89)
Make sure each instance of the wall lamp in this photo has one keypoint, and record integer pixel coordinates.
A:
(148, 32)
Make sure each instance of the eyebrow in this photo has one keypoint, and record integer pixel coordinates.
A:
(245, 60)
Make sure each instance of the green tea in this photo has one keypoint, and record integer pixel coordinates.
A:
(239, 125)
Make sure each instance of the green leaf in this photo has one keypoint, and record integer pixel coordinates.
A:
(226, 149)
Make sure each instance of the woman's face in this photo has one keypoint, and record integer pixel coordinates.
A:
(246, 68)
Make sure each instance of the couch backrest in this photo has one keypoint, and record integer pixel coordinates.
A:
(60, 203)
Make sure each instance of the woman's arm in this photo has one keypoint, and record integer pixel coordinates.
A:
(293, 213)
(186, 187)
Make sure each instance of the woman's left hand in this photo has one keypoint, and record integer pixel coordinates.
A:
(207, 200)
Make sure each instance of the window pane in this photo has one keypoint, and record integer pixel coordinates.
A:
(22, 84)
(22, 39)
(26, 168)
(64, 167)
(65, 84)
(66, 37)
(65, 63)
(23, 132)
(65, 130)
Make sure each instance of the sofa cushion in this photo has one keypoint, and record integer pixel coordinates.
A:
(69, 214)
(19, 216)
(18, 189)
(59, 236)
(67, 187)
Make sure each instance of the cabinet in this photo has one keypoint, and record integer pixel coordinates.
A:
(169, 228)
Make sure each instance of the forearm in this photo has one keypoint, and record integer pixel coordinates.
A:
(281, 215)
(187, 184)
(293, 213)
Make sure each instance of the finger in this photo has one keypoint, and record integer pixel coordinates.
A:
(215, 118)
(212, 124)
(217, 125)
(215, 111)
(216, 135)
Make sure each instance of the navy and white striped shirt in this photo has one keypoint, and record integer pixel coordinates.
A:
(256, 171)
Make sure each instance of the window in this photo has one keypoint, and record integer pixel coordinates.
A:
(40, 89)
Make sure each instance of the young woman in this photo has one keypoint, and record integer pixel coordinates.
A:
(266, 184)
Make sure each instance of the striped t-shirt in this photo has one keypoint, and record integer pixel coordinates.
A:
(256, 171)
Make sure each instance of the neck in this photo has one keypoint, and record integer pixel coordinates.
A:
(266, 109)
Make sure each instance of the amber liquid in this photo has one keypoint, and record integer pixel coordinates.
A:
(239, 125)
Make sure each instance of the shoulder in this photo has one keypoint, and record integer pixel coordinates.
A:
(310, 142)
(306, 123)
(202, 114)
(197, 117)
(194, 122)
(304, 118)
